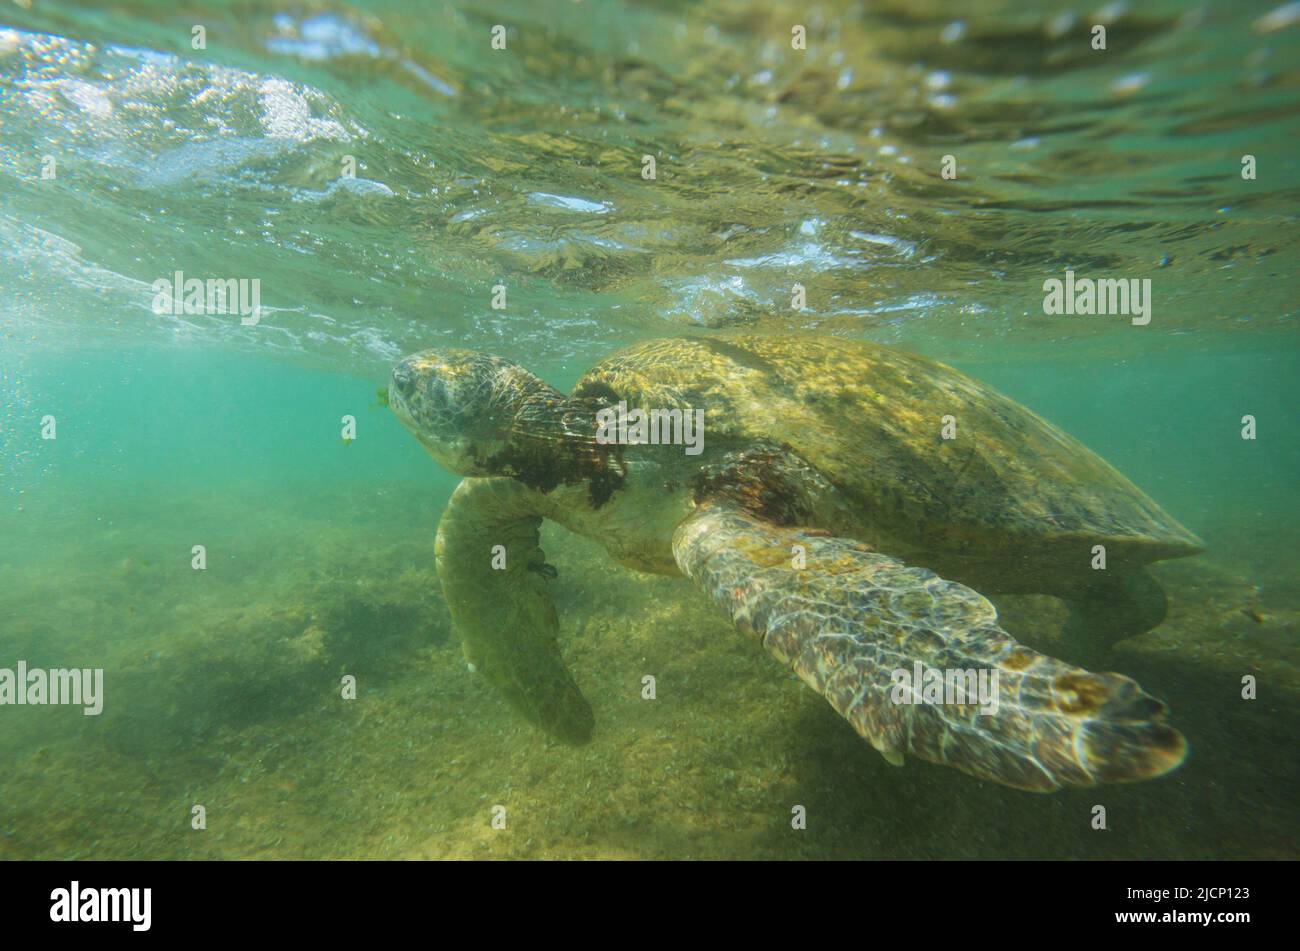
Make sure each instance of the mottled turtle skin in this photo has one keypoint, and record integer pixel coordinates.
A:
(831, 450)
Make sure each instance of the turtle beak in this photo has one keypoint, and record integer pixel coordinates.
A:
(403, 379)
(400, 387)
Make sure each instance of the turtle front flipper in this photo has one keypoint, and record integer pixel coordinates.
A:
(861, 628)
(500, 604)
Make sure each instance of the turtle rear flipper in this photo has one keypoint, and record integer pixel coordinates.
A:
(503, 611)
(1112, 605)
(856, 625)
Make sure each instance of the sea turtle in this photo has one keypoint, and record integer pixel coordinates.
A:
(827, 513)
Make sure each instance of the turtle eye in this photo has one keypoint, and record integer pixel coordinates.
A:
(442, 396)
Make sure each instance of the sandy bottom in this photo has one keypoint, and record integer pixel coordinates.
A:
(224, 690)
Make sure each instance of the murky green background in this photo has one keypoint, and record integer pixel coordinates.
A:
(523, 166)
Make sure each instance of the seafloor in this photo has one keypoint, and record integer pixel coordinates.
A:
(223, 690)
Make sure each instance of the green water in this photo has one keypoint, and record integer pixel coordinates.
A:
(523, 167)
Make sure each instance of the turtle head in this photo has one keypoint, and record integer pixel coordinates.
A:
(464, 407)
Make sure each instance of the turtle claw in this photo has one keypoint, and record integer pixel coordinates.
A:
(893, 757)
